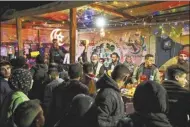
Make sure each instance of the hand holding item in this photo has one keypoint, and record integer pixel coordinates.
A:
(124, 91)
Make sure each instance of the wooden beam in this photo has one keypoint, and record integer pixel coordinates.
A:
(19, 36)
(112, 11)
(139, 5)
(36, 18)
(73, 28)
(51, 7)
(149, 9)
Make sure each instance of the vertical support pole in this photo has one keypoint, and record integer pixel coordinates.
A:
(38, 33)
(73, 28)
(19, 36)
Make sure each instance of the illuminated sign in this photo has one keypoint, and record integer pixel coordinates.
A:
(57, 34)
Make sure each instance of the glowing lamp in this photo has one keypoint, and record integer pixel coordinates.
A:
(100, 22)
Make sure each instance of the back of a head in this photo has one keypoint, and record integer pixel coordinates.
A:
(81, 113)
(21, 79)
(53, 73)
(27, 113)
(150, 97)
(175, 70)
(87, 68)
(40, 59)
(75, 71)
(13, 62)
(81, 104)
(53, 65)
(120, 71)
(20, 62)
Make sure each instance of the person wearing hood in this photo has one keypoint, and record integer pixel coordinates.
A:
(29, 114)
(64, 93)
(82, 113)
(148, 70)
(110, 106)
(21, 83)
(179, 97)
(40, 76)
(151, 106)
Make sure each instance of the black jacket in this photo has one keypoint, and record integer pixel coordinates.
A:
(151, 106)
(4, 90)
(179, 102)
(110, 65)
(40, 77)
(56, 56)
(62, 98)
(110, 106)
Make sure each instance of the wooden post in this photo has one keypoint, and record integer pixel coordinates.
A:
(38, 33)
(19, 36)
(73, 28)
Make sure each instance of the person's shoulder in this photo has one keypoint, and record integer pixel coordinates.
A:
(82, 85)
(61, 87)
(105, 92)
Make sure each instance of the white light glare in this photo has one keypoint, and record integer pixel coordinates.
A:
(100, 22)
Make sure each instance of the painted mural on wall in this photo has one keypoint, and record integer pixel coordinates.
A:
(127, 44)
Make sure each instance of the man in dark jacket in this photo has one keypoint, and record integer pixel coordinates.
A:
(179, 97)
(40, 76)
(5, 73)
(55, 80)
(64, 93)
(115, 61)
(110, 106)
(56, 54)
(151, 106)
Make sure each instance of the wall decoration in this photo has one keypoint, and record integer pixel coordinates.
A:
(104, 48)
(185, 29)
(134, 45)
(57, 34)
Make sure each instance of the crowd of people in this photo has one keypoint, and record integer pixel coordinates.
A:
(88, 94)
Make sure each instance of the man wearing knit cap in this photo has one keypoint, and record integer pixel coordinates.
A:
(183, 61)
(29, 114)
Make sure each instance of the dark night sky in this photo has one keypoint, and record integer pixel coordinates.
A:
(20, 5)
